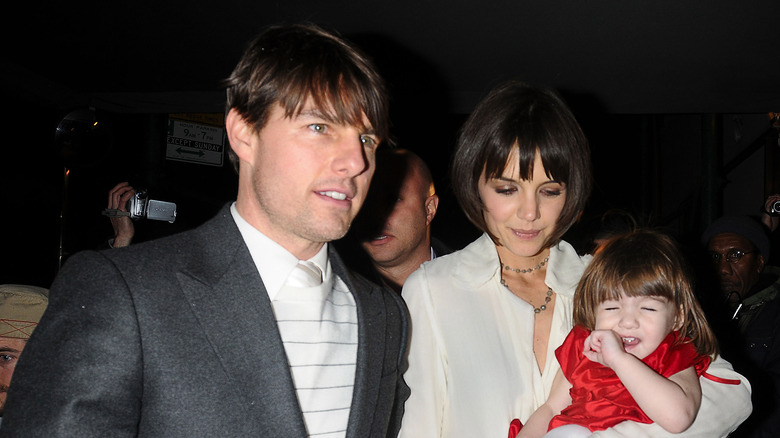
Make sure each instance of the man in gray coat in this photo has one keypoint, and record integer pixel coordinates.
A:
(207, 333)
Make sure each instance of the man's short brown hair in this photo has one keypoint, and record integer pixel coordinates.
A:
(289, 64)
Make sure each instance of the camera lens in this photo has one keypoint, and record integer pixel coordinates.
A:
(775, 208)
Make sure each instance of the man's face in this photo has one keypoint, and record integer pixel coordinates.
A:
(306, 178)
(737, 276)
(405, 206)
(10, 349)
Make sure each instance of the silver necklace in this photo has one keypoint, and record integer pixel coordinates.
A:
(547, 298)
(525, 271)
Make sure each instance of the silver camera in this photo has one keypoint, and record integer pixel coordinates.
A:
(775, 210)
(140, 207)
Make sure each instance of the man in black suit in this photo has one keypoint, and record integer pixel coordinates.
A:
(205, 333)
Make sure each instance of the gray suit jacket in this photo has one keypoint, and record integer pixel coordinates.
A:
(177, 338)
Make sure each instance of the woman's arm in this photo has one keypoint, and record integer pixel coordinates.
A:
(559, 398)
(423, 411)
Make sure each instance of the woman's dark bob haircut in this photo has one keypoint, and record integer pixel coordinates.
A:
(526, 118)
(292, 64)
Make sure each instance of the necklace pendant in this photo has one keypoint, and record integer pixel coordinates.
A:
(539, 309)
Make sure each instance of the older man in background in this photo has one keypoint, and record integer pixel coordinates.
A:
(747, 319)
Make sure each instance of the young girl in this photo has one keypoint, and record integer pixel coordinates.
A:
(639, 344)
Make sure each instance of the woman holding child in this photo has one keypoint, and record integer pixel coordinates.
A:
(486, 320)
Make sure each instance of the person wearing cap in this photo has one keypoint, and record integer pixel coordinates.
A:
(747, 317)
(739, 248)
(21, 307)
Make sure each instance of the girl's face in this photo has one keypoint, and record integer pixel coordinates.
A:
(521, 213)
(642, 322)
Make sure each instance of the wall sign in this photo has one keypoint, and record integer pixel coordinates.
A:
(195, 139)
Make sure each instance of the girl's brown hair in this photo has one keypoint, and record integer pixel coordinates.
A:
(644, 263)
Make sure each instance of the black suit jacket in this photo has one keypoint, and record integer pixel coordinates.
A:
(177, 338)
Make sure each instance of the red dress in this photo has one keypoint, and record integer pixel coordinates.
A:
(599, 399)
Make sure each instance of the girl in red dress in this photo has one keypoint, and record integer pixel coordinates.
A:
(639, 345)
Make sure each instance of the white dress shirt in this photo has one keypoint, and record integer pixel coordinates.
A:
(318, 327)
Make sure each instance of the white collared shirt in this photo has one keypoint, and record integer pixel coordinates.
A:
(273, 262)
(319, 330)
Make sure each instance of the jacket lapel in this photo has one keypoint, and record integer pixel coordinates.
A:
(227, 296)
(371, 326)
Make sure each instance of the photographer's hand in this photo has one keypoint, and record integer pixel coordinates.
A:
(771, 221)
(124, 230)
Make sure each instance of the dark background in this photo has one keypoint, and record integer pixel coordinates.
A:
(674, 97)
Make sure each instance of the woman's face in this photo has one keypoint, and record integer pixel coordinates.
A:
(522, 213)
